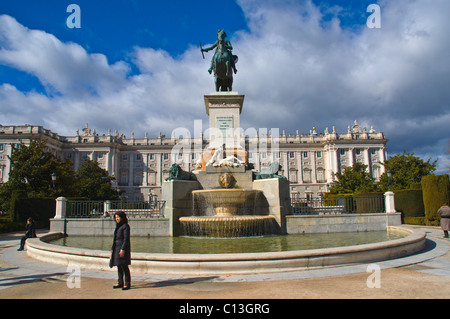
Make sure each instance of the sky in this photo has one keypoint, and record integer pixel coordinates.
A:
(135, 66)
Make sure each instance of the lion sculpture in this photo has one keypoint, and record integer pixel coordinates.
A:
(270, 172)
(176, 173)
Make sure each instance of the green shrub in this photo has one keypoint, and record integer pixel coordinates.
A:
(40, 209)
(414, 221)
(409, 202)
(435, 192)
(416, 186)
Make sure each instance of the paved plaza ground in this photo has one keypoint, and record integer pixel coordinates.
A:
(424, 275)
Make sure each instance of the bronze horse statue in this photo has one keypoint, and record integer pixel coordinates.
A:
(223, 63)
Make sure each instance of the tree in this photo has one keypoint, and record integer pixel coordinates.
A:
(31, 170)
(405, 169)
(354, 179)
(94, 182)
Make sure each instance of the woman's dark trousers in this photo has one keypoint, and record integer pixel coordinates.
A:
(121, 271)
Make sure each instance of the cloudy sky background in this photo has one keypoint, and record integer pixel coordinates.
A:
(135, 66)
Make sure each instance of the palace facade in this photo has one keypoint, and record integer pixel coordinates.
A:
(140, 165)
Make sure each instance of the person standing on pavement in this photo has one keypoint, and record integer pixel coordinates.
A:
(121, 251)
(444, 211)
(30, 233)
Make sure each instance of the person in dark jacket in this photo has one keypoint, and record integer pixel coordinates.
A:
(30, 233)
(121, 251)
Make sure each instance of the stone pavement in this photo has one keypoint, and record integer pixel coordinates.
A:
(424, 275)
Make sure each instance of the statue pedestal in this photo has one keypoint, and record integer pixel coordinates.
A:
(224, 109)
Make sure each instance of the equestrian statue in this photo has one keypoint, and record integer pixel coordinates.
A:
(223, 62)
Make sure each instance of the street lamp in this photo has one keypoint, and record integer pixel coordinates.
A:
(389, 175)
(53, 181)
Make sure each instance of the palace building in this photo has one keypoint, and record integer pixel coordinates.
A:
(140, 165)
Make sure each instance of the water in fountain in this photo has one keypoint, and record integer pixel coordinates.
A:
(227, 213)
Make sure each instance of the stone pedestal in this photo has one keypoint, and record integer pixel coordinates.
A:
(389, 202)
(60, 211)
(276, 191)
(178, 197)
(209, 179)
(224, 109)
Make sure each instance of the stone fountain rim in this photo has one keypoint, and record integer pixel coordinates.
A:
(38, 245)
(228, 190)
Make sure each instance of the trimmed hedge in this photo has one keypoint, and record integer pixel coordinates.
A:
(415, 221)
(410, 203)
(435, 192)
(40, 209)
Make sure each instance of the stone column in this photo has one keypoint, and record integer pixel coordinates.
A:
(60, 211)
(131, 169)
(145, 169)
(389, 202)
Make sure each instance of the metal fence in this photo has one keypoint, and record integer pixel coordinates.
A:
(85, 208)
(153, 209)
(97, 209)
(338, 205)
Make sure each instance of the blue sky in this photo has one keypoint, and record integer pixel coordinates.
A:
(135, 66)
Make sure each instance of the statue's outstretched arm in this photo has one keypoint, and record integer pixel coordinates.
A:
(210, 48)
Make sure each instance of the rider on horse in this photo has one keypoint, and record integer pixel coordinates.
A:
(222, 47)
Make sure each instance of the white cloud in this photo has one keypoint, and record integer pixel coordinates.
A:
(294, 68)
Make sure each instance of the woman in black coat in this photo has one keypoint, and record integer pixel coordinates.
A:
(120, 251)
(30, 233)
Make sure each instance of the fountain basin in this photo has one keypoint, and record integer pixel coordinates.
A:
(236, 263)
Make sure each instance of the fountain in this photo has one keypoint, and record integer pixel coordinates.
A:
(226, 203)
(225, 198)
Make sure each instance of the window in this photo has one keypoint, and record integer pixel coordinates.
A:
(320, 175)
(293, 176)
(137, 180)
(138, 157)
(358, 151)
(307, 176)
(2, 147)
(305, 154)
(319, 154)
(124, 179)
(124, 157)
(342, 152)
(152, 156)
(166, 156)
(373, 151)
(291, 155)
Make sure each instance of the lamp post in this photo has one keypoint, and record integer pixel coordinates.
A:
(53, 181)
(389, 175)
